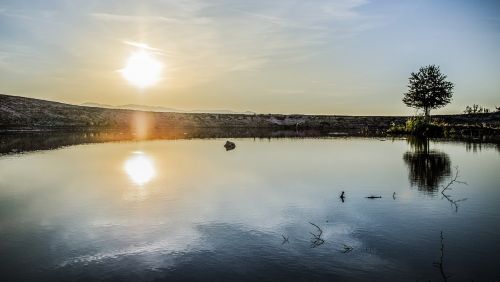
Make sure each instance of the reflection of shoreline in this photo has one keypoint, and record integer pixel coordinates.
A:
(427, 167)
(12, 143)
(18, 142)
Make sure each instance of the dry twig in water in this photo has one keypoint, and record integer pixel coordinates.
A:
(346, 249)
(285, 239)
(316, 240)
(440, 264)
(453, 203)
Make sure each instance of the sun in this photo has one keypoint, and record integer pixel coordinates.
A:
(142, 69)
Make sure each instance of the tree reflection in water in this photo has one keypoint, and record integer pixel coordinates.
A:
(427, 168)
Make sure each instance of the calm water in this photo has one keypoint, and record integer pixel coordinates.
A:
(189, 210)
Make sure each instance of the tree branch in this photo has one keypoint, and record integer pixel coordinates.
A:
(453, 203)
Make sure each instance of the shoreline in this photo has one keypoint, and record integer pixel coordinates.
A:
(21, 114)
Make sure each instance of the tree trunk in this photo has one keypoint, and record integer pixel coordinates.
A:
(427, 112)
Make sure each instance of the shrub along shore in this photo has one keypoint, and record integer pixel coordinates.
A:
(422, 126)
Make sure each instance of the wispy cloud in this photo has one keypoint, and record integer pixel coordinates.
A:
(15, 14)
(286, 92)
(131, 18)
(141, 45)
(28, 15)
(222, 37)
(3, 59)
(345, 10)
(280, 21)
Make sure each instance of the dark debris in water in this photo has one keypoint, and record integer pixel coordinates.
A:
(229, 145)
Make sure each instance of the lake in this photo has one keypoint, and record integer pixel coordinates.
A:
(269, 210)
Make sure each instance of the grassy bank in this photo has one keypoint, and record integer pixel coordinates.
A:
(421, 126)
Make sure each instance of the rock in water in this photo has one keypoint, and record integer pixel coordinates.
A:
(229, 145)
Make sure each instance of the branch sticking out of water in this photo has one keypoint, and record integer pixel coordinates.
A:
(347, 249)
(316, 240)
(453, 180)
(440, 264)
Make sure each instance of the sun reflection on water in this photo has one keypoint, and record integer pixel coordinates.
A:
(140, 168)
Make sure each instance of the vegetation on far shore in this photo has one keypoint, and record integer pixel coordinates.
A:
(421, 126)
(477, 109)
(418, 126)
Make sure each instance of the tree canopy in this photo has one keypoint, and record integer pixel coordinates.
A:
(428, 89)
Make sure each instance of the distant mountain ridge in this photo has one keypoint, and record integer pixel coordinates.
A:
(161, 109)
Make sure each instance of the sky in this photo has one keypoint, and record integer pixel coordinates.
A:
(289, 56)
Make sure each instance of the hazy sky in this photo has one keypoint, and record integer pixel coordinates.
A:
(329, 57)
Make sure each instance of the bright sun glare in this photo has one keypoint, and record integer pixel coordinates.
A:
(140, 168)
(142, 69)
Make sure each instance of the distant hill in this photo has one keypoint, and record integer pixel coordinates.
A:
(162, 109)
(22, 113)
(97, 105)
